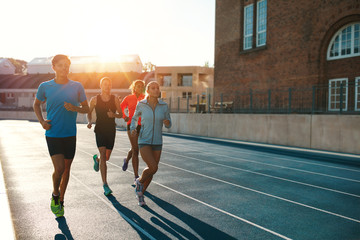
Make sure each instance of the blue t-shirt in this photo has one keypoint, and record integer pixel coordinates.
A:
(63, 122)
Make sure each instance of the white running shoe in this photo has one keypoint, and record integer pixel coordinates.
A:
(138, 187)
(141, 199)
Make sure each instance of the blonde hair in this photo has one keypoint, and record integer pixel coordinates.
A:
(138, 81)
(148, 85)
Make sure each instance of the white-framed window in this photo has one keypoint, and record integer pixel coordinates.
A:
(248, 26)
(187, 95)
(261, 23)
(338, 88)
(345, 43)
(357, 94)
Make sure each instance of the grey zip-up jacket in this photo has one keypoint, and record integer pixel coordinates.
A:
(151, 121)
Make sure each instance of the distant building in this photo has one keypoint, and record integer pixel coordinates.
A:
(6, 67)
(18, 91)
(89, 64)
(263, 45)
(40, 66)
(182, 84)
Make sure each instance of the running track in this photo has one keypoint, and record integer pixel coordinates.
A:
(204, 189)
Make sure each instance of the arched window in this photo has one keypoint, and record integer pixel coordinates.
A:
(345, 43)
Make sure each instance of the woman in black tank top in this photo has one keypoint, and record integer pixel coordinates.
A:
(107, 108)
(102, 108)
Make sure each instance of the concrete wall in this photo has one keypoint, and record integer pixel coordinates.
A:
(340, 133)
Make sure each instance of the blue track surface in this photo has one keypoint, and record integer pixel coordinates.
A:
(204, 189)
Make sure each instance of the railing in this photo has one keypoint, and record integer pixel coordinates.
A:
(323, 99)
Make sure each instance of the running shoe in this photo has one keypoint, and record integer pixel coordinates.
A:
(141, 199)
(138, 187)
(107, 190)
(125, 165)
(61, 211)
(96, 163)
(56, 207)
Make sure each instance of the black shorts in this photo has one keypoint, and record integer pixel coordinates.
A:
(65, 146)
(105, 139)
(137, 128)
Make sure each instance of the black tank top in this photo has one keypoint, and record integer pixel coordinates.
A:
(103, 122)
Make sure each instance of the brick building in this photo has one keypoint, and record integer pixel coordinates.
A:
(274, 44)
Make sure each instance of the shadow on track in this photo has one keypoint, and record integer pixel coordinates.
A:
(204, 230)
(136, 221)
(64, 229)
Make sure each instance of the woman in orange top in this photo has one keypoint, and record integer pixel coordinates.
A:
(130, 102)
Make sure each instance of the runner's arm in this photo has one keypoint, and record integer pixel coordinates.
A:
(89, 115)
(84, 107)
(123, 106)
(119, 113)
(37, 109)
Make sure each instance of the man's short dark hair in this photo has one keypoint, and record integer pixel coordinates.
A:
(59, 57)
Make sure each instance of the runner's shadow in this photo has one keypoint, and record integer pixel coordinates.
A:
(136, 221)
(204, 230)
(64, 229)
(176, 230)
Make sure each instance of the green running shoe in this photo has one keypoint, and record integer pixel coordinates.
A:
(57, 209)
(96, 163)
(60, 212)
(107, 190)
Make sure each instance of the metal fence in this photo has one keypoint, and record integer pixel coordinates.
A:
(335, 98)
(322, 99)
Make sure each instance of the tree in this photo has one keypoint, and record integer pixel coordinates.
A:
(148, 67)
(20, 65)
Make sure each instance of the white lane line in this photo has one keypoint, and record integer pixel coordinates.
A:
(222, 211)
(256, 153)
(113, 208)
(266, 194)
(200, 138)
(310, 163)
(215, 208)
(194, 199)
(275, 157)
(282, 167)
(246, 188)
(266, 175)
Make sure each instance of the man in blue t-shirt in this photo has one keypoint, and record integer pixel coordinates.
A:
(64, 99)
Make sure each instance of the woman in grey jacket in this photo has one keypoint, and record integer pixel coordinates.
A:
(154, 114)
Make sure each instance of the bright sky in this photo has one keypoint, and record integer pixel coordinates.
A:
(164, 32)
